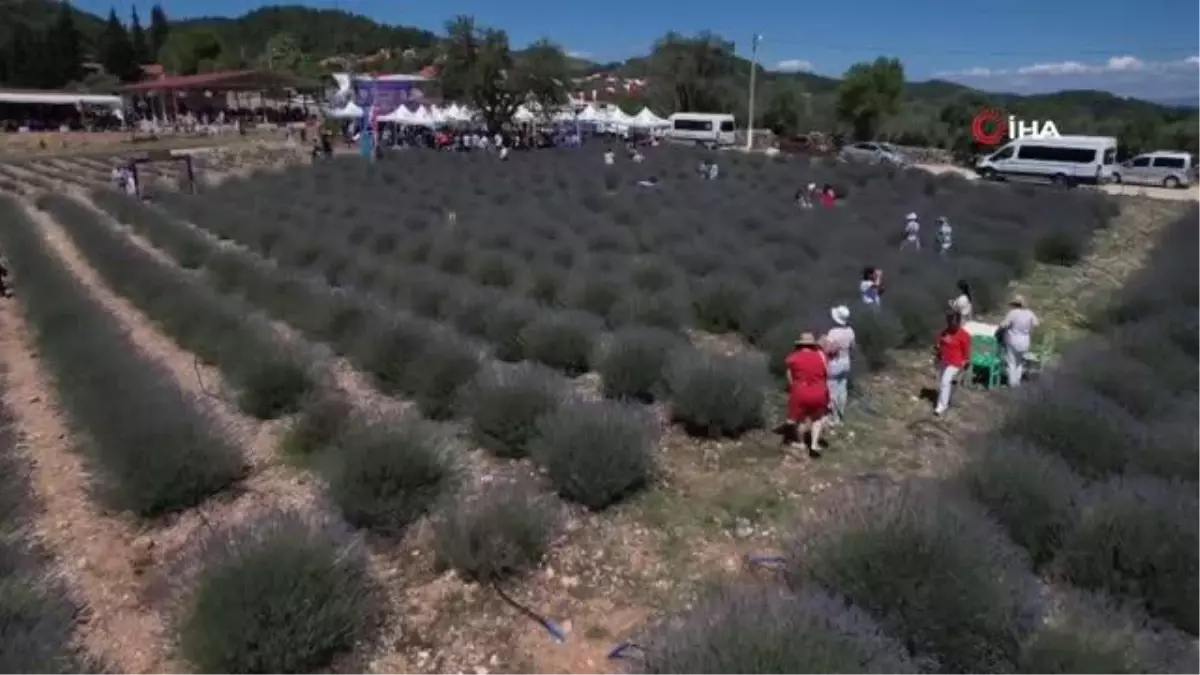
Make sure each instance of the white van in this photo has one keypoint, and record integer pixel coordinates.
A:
(703, 128)
(1064, 160)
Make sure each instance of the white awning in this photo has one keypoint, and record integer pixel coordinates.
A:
(60, 98)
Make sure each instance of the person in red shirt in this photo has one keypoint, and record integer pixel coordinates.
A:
(808, 391)
(953, 353)
(828, 197)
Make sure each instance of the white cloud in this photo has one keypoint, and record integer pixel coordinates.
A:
(1115, 64)
(1061, 68)
(1124, 75)
(794, 66)
(579, 55)
(1119, 63)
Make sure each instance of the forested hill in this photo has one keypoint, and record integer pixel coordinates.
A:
(320, 32)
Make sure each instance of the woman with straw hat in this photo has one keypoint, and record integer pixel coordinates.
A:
(808, 391)
(1017, 331)
(839, 342)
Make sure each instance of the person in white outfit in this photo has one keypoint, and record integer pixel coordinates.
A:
(610, 157)
(838, 343)
(1017, 330)
(961, 303)
(912, 232)
(945, 236)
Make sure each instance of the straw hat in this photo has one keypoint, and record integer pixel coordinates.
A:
(806, 339)
(840, 314)
(1017, 300)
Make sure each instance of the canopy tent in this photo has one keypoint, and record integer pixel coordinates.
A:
(349, 111)
(421, 117)
(60, 98)
(590, 114)
(230, 80)
(646, 118)
(618, 117)
(401, 115)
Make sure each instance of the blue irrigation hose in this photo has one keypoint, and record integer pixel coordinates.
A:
(621, 651)
(556, 631)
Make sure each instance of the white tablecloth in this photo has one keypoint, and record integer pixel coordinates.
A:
(980, 328)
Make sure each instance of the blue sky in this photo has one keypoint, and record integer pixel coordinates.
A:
(1143, 48)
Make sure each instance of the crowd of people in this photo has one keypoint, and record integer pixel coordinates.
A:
(818, 368)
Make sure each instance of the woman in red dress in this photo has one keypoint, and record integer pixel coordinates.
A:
(808, 391)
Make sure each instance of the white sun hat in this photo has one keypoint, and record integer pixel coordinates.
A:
(840, 314)
(911, 216)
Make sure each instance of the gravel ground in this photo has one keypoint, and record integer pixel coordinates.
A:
(1191, 193)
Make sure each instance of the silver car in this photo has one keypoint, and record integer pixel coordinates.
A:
(1168, 169)
(874, 153)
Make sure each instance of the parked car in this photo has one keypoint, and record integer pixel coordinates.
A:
(875, 153)
(1163, 167)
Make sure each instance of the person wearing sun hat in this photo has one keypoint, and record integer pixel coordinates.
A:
(838, 343)
(1017, 329)
(808, 391)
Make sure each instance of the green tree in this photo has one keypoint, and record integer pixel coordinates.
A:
(63, 53)
(282, 52)
(160, 30)
(956, 118)
(116, 52)
(869, 94)
(137, 38)
(190, 51)
(541, 71)
(479, 67)
(787, 105)
(695, 73)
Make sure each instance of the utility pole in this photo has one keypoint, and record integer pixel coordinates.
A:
(750, 103)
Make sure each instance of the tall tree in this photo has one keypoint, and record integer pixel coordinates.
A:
(541, 72)
(191, 51)
(63, 55)
(478, 67)
(137, 38)
(282, 52)
(869, 94)
(160, 30)
(115, 51)
(694, 72)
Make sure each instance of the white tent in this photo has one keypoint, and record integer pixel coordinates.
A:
(618, 116)
(590, 114)
(646, 118)
(523, 114)
(421, 117)
(401, 115)
(348, 111)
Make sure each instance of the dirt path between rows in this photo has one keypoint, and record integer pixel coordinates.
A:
(272, 485)
(98, 554)
(356, 386)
